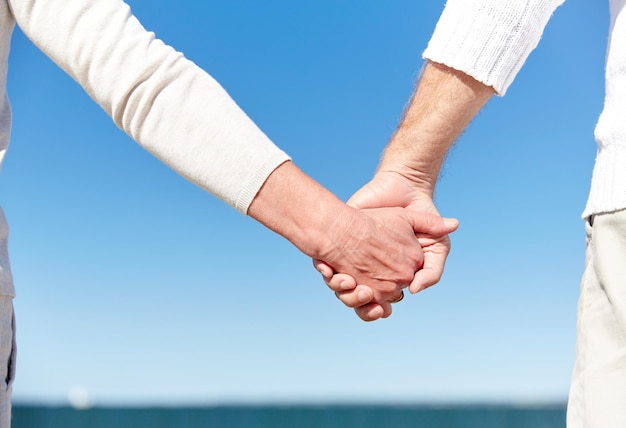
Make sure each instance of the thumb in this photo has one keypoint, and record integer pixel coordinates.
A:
(431, 224)
(361, 198)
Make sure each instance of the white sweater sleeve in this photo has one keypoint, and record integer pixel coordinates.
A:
(489, 39)
(162, 100)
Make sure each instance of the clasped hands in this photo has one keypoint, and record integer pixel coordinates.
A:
(395, 240)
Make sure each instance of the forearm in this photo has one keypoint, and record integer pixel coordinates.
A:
(165, 102)
(483, 44)
(444, 103)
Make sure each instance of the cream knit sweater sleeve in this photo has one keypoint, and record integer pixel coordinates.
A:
(489, 39)
(162, 100)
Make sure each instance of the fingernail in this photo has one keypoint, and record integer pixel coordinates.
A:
(363, 296)
(379, 313)
(345, 285)
(450, 222)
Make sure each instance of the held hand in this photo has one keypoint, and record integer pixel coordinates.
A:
(381, 247)
(389, 188)
(376, 247)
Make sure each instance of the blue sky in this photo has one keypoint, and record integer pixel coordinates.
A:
(138, 287)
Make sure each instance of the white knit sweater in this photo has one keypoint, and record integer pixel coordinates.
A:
(491, 39)
(162, 100)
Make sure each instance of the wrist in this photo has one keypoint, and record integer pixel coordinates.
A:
(298, 208)
(322, 233)
(444, 103)
(420, 179)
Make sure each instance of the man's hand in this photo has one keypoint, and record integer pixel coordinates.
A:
(382, 246)
(444, 103)
(377, 247)
(393, 188)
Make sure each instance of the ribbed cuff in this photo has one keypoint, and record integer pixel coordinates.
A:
(608, 184)
(257, 179)
(489, 39)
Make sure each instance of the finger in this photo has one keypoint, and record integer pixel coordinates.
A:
(360, 296)
(398, 299)
(431, 224)
(425, 278)
(386, 309)
(323, 268)
(336, 282)
(370, 312)
(361, 197)
(341, 282)
(431, 272)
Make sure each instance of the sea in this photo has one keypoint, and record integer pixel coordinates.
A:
(294, 416)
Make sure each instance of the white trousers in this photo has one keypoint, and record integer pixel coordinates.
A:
(597, 396)
(7, 358)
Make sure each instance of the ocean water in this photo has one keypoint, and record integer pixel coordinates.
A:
(479, 416)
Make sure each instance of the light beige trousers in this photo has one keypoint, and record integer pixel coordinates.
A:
(7, 358)
(597, 396)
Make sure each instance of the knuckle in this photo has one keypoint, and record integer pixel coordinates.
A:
(388, 288)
